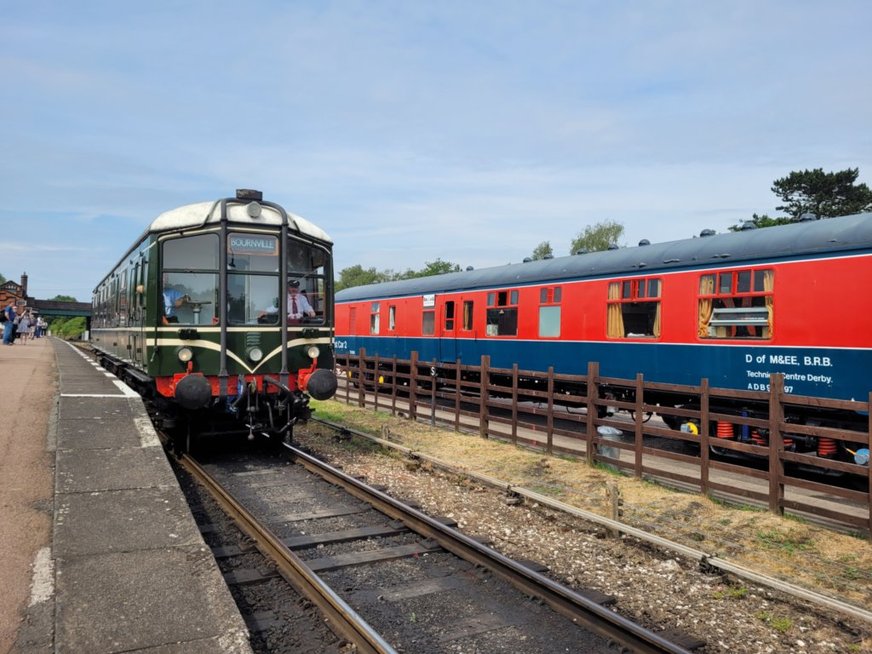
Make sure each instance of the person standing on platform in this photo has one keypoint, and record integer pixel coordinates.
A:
(23, 330)
(9, 326)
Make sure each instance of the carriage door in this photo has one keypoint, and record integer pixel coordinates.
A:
(448, 340)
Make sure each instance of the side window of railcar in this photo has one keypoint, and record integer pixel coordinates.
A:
(189, 280)
(549, 312)
(428, 323)
(736, 304)
(502, 313)
(634, 308)
(392, 317)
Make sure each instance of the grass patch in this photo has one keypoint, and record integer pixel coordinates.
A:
(790, 542)
(732, 593)
(778, 623)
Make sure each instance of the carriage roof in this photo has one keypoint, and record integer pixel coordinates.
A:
(816, 238)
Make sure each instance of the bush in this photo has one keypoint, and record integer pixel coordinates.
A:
(69, 329)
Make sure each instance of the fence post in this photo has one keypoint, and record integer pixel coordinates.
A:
(704, 402)
(433, 394)
(776, 444)
(394, 385)
(514, 404)
(375, 383)
(637, 438)
(361, 367)
(457, 381)
(413, 386)
(592, 395)
(550, 418)
(869, 466)
(484, 394)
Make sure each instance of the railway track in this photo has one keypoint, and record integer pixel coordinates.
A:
(387, 577)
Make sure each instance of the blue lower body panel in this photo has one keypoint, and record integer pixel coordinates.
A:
(839, 373)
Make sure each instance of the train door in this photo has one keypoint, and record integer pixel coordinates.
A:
(448, 340)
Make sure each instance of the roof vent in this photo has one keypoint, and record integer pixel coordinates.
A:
(807, 217)
(581, 251)
(748, 225)
(468, 268)
(707, 232)
(644, 241)
(548, 256)
(614, 246)
(527, 259)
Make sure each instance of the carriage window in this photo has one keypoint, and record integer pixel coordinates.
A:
(428, 323)
(634, 308)
(374, 318)
(449, 316)
(467, 315)
(549, 312)
(736, 304)
(392, 318)
(503, 319)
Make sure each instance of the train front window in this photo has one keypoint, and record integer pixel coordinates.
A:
(189, 298)
(309, 264)
(189, 283)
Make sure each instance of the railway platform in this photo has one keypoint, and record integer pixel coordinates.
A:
(125, 568)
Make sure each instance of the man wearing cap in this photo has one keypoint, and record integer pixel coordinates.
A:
(298, 304)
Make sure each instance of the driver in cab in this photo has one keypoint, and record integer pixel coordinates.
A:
(298, 304)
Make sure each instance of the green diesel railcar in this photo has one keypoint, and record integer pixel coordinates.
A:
(223, 309)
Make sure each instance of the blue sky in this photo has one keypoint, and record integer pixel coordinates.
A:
(409, 131)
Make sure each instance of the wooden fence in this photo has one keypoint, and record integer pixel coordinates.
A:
(542, 413)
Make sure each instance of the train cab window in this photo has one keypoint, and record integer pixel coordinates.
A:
(502, 314)
(449, 316)
(467, 315)
(310, 265)
(189, 283)
(736, 304)
(634, 308)
(374, 318)
(428, 323)
(549, 312)
(392, 318)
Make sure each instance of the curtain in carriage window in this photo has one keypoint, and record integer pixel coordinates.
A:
(615, 318)
(706, 304)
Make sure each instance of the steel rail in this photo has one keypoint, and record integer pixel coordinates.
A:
(346, 622)
(705, 559)
(565, 601)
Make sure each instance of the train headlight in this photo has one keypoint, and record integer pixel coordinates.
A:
(253, 209)
(313, 351)
(185, 354)
(255, 354)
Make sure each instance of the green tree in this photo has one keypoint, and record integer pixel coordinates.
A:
(597, 237)
(437, 267)
(357, 275)
(762, 221)
(63, 298)
(542, 251)
(2, 279)
(823, 194)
